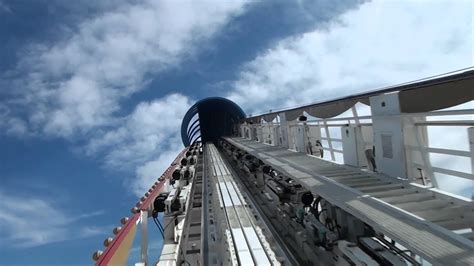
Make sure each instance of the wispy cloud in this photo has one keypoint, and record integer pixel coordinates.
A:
(74, 88)
(148, 172)
(89, 231)
(77, 84)
(4, 7)
(30, 221)
(380, 43)
(147, 140)
(147, 127)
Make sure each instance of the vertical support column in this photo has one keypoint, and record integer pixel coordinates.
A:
(389, 142)
(470, 132)
(283, 130)
(356, 117)
(259, 133)
(419, 139)
(353, 146)
(354, 134)
(144, 237)
(263, 130)
(328, 138)
(275, 135)
(300, 137)
(275, 132)
(252, 132)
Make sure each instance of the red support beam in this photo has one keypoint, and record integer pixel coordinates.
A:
(105, 258)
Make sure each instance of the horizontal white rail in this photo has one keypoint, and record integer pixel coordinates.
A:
(446, 171)
(334, 150)
(440, 151)
(437, 113)
(331, 139)
(446, 123)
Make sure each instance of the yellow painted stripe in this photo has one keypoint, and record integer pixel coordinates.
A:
(121, 254)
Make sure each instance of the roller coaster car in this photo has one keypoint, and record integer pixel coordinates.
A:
(287, 189)
(249, 166)
(176, 174)
(187, 174)
(159, 204)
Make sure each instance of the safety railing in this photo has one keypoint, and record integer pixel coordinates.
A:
(424, 164)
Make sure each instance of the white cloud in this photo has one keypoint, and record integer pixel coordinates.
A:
(149, 126)
(77, 84)
(16, 126)
(4, 8)
(147, 173)
(89, 231)
(29, 222)
(74, 88)
(380, 43)
(148, 140)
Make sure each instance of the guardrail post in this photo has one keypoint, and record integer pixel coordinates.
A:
(471, 146)
(390, 157)
(283, 130)
(144, 237)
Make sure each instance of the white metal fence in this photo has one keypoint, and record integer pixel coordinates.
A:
(437, 148)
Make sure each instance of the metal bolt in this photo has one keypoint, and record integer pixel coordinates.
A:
(117, 230)
(97, 255)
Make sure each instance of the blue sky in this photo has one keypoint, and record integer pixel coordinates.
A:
(92, 94)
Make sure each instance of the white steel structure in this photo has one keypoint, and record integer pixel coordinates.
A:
(361, 180)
